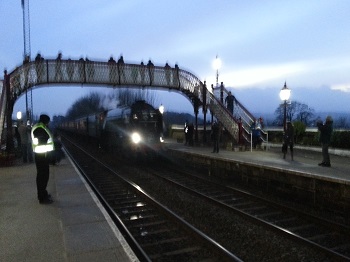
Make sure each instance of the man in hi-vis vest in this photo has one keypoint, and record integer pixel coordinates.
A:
(42, 143)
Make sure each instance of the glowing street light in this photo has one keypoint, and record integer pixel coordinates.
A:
(19, 115)
(217, 66)
(284, 95)
(161, 109)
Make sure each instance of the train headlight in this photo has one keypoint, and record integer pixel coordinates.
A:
(136, 138)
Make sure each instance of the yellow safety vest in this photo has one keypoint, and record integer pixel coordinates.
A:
(49, 146)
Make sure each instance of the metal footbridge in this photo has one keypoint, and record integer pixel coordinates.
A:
(34, 74)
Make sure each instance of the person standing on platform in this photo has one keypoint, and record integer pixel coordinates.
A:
(288, 140)
(215, 136)
(186, 133)
(24, 132)
(229, 100)
(43, 144)
(326, 130)
(255, 129)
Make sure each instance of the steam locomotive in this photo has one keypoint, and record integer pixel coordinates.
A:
(136, 129)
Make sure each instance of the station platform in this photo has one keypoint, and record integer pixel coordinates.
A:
(300, 179)
(73, 228)
(305, 160)
(77, 228)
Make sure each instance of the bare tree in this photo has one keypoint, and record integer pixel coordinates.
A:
(341, 122)
(127, 96)
(295, 111)
(84, 106)
(95, 102)
(305, 114)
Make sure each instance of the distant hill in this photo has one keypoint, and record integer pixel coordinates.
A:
(337, 117)
(180, 118)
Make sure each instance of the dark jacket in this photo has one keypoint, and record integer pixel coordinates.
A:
(289, 135)
(215, 131)
(326, 130)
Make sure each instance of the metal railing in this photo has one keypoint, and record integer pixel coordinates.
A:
(240, 116)
(60, 71)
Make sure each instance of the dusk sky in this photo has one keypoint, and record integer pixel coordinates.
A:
(261, 45)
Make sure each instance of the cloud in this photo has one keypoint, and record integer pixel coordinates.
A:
(342, 87)
(264, 74)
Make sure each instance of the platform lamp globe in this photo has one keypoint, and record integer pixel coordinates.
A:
(284, 95)
(19, 115)
(161, 109)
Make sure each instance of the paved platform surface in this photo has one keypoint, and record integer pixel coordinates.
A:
(74, 228)
(305, 161)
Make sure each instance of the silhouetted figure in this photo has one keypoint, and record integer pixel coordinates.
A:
(112, 64)
(255, 128)
(176, 79)
(150, 71)
(121, 70)
(229, 100)
(81, 70)
(70, 69)
(240, 131)
(261, 121)
(326, 130)
(167, 69)
(215, 136)
(288, 140)
(186, 133)
(59, 73)
(39, 68)
(142, 73)
(90, 70)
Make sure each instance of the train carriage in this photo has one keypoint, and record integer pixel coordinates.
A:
(137, 128)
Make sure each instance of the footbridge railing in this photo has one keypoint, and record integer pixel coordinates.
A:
(240, 121)
(114, 74)
(33, 74)
(224, 116)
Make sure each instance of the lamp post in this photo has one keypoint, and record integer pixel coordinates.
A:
(217, 65)
(284, 95)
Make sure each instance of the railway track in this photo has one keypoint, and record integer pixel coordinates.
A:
(153, 231)
(323, 235)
